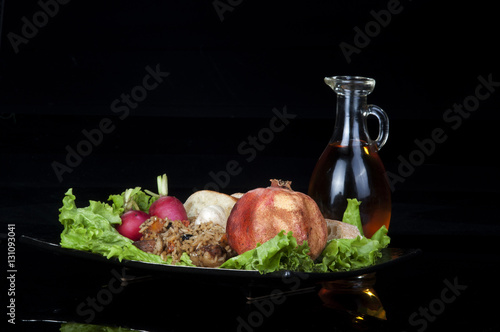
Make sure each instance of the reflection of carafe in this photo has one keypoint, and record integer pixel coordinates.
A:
(350, 167)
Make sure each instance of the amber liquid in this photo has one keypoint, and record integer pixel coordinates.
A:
(352, 171)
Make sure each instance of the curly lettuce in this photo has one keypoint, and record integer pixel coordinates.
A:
(133, 198)
(351, 254)
(279, 253)
(92, 228)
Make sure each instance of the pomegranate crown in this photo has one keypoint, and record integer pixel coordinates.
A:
(281, 184)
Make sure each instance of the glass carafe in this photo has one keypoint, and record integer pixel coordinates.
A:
(350, 166)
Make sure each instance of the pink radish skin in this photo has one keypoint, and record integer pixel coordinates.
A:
(168, 207)
(131, 223)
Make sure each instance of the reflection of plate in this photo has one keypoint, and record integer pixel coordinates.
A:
(59, 325)
(390, 256)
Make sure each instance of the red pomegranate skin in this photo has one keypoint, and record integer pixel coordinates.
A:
(260, 214)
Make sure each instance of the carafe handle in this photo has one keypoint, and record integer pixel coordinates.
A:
(383, 124)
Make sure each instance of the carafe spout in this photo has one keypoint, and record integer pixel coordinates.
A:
(358, 85)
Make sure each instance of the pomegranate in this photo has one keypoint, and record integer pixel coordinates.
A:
(260, 214)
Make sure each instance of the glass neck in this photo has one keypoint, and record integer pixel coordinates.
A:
(350, 120)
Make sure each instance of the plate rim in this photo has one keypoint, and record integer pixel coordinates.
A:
(404, 255)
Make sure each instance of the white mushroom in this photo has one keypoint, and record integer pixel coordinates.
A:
(213, 213)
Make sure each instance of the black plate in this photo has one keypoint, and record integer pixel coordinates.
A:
(390, 257)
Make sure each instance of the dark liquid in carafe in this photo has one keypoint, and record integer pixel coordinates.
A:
(352, 171)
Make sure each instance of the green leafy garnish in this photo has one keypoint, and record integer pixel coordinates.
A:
(132, 199)
(351, 214)
(350, 254)
(92, 229)
(279, 253)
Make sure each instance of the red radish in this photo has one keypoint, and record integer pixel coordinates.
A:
(167, 206)
(131, 223)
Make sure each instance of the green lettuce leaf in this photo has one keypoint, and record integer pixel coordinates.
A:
(118, 202)
(92, 229)
(279, 253)
(350, 254)
(351, 214)
(141, 199)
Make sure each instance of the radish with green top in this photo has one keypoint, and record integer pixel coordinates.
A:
(133, 218)
(166, 206)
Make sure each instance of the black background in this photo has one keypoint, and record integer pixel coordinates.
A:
(227, 72)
